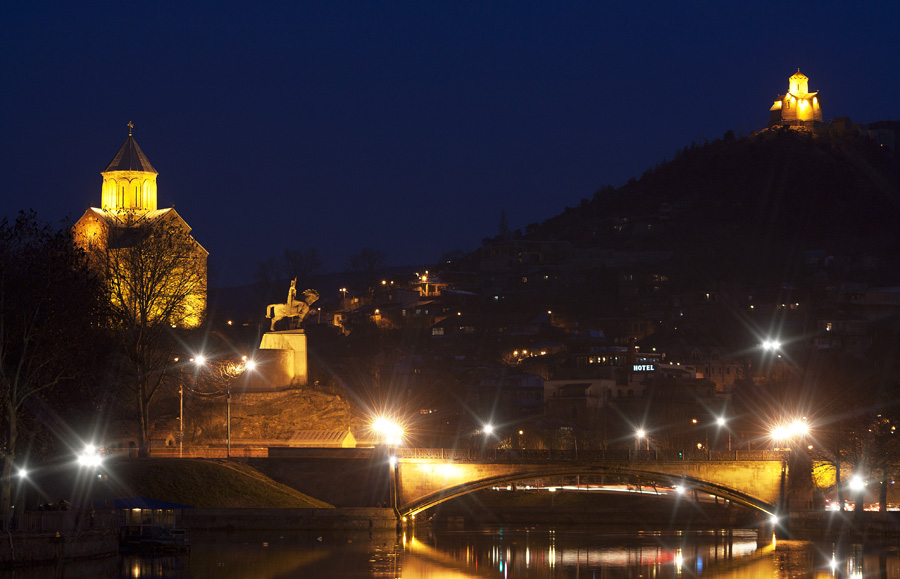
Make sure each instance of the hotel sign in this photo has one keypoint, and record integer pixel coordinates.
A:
(643, 368)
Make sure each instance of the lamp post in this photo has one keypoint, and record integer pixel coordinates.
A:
(199, 360)
(228, 420)
(705, 443)
(391, 435)
(724, 424)
(181, 421)
(640, 434)
(90, 460)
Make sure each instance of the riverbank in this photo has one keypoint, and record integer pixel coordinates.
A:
(26, 549)
(355, 519)
(832, 525)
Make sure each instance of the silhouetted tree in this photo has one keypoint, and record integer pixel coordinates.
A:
(49, 304)
(155, 279)
(268, 274)
(503, 232)
(301, 265)
(367, 264)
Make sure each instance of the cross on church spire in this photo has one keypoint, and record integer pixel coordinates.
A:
(131, 125)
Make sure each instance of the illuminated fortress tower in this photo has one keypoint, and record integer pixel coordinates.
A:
(798, 107)
(125, 218)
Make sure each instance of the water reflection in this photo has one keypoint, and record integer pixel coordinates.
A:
(553, 553)
(539, 553)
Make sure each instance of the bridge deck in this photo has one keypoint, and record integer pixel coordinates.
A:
(533, 455)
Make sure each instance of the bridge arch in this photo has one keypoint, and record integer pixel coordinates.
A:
(762, 493)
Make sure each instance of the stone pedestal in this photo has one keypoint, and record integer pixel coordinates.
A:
(280, 361)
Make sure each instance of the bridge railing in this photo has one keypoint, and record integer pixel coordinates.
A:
(536, 455)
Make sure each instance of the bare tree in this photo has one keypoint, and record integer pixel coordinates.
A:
(49, 300)
(155, 276)
(301, 265)
(294, 264)
(268, 273)
(366, 265)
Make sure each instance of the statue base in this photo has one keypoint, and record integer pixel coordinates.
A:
(280, 362)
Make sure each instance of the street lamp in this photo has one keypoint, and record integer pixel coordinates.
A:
(771, 345)
(722, 423)
(782, 433)
(701, 445)
(390, 432)
(199, 360)
(90, 457)
(640, 434)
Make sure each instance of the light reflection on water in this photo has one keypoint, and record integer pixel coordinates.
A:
(537, 552)
(553, 553)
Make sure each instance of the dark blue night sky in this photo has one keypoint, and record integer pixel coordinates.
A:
(406, 127)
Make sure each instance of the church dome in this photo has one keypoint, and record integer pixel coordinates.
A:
(130, 158)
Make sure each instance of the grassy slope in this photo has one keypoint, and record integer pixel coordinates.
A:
(203, 484)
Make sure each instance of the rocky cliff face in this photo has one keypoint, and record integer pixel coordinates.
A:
(263, 416)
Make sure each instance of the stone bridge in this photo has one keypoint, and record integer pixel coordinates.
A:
(423, 478)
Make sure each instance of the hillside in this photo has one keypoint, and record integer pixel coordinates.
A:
(203, 484)
(745, 209)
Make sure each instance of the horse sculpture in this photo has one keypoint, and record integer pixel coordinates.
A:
(293, 309)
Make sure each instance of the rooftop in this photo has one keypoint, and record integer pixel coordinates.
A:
(130, 158)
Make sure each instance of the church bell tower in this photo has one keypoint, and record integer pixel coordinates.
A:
(129, 181)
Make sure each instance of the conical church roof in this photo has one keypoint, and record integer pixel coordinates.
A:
(130, 158)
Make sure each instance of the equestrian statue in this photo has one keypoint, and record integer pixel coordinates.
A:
(294, 310)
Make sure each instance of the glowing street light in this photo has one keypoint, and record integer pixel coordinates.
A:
(797, 428)
(90, 457)
(771, 345)
(640, 434)
(488, 429)
(390, 432)
(786, 433)
(857, 483)
(722, 423)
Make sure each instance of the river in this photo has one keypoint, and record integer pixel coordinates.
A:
(539, 552)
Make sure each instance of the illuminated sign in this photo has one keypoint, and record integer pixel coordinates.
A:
(643, 368)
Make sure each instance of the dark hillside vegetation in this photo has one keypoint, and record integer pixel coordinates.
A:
(746, 209)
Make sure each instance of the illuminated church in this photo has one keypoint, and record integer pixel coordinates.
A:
(798, 107)
(127, 205)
